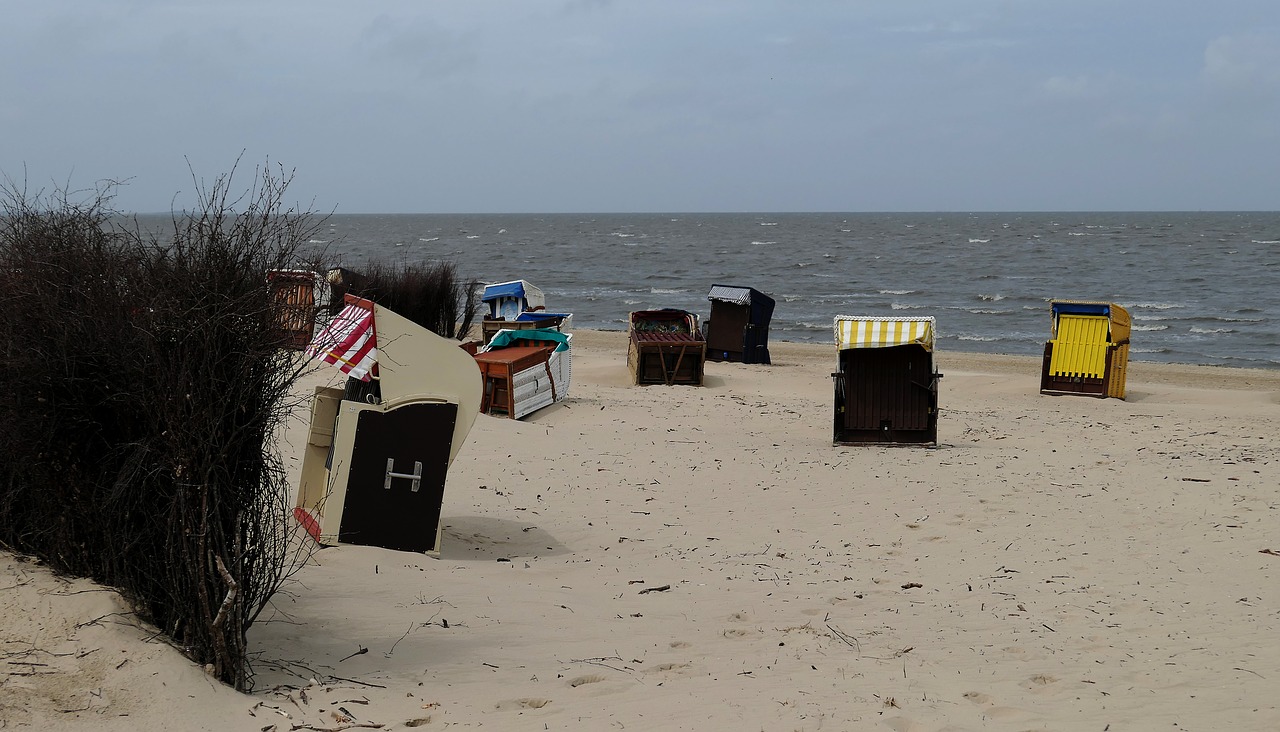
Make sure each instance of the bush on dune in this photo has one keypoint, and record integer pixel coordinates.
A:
(145, 381)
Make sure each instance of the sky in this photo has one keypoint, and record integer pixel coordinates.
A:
(547, 106)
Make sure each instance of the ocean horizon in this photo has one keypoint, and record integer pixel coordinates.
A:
(1202, 287)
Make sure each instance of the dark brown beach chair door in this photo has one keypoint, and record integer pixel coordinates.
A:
(395, 486)
(730, 323)
(887, 389)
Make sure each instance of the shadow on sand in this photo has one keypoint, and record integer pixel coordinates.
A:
(484, 538)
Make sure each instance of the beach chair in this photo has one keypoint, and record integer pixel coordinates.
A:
(298, 297)
(507, 300)
(886, 386)
(518, 304)
(1088, 352)
(378, 451)
(665, 347)
(741, 316)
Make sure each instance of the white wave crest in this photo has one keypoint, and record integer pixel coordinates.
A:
(1196, 329)
(979, 241)
(991, 298)
(1151, 327)
(897, 292)
(663, 291)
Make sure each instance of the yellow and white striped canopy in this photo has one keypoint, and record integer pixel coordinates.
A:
(871, 332)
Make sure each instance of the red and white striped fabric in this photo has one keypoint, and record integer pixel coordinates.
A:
(349, 342)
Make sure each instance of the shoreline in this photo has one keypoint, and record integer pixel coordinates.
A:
(775, 341)
(1203, 376)
(671, 558)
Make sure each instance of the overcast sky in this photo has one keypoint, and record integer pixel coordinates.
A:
(652, 105)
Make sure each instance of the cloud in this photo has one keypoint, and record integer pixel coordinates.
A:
(1246, 62)
(420, 47)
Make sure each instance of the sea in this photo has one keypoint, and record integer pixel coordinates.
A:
(1202, 288)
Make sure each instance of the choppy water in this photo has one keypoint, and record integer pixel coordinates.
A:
(1203, 288)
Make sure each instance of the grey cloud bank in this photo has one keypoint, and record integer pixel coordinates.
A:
(653, 105)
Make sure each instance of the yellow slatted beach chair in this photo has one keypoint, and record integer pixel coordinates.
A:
(1089, 350)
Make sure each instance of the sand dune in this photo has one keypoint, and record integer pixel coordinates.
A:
(667, 558)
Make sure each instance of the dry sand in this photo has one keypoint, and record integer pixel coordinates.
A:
(663, 558)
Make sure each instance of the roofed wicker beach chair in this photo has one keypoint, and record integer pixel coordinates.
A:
(886, 385)
(1088, 352)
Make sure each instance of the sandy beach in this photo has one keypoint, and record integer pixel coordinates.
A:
(684, 558)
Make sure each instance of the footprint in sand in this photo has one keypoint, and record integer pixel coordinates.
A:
(978, 697)
(417, 722)
(525, 703)
(679, 644)
(588, 679)
(991, 710)
(1043, 679)
(738, 618)
(735, 632)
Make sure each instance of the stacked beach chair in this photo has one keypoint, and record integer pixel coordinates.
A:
(524, 371)
(518, 305)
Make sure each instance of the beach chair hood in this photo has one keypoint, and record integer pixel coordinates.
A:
(875, 332)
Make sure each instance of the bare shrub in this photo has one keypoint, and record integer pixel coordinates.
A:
(145, 384)
(427, 293)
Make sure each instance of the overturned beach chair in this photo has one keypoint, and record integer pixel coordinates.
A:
(1088, 352)
(378, 451)
(886, 387)
(524, 371)
(741, 317)
(665, 347)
